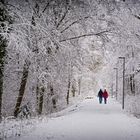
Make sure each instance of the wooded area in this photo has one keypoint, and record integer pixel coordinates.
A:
(52, 51)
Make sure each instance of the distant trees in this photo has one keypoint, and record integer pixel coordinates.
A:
(128, 41)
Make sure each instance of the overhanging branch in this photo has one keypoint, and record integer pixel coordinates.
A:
(136, 16)
(85, 35)
(47, 5)
(63, 17)
(74, 23)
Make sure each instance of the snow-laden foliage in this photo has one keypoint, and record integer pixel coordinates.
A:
(44, 44)
(61, 49)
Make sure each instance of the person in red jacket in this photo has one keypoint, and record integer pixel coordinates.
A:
(105, 96)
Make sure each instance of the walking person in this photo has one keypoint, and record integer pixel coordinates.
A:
(105, 96)
(100, 95)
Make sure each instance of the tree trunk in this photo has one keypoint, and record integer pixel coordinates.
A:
(41, 100)
(37, 99)
(1, 90)
(79, 83)
(2, 56)
(73, 91)
(68, 92)
(4, 18)
(54, 103)
(22, 87)
(1, 85)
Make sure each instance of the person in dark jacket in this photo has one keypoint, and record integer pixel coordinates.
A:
(100, 95)
(105, 96)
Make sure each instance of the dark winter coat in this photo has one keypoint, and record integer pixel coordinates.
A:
(105, 94)
(100, 93)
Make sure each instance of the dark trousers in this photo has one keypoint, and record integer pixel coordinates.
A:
(100, 100)
(105, 100)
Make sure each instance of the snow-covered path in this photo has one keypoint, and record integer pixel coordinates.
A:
(88, 121)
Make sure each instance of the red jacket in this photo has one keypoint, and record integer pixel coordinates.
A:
(105, 94)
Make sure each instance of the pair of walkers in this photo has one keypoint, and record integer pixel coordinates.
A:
(102, 95)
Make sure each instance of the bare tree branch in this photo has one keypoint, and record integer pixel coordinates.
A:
(46, 6)
(73, 23)
(63, 17)
(138, 36)
(136, 16)
(85, 35)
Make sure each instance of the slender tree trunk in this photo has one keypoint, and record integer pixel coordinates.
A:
(1, 83)
(22, 88)
(68, 92)
(41, 100)
(79, 83)
(1, 91)
(54, 103)
(2, 60)
(69, 80)
(52, 94)
(41, 103)
(73, 91)
(37, 99)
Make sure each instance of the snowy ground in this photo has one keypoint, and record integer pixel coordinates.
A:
(87, 121)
